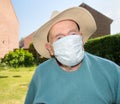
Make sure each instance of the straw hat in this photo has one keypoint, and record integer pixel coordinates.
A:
(78, 14)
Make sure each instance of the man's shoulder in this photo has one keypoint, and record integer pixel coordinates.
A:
(99, 60)
(46, 65)
(47, 62)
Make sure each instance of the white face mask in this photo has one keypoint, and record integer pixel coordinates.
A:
(69, 50)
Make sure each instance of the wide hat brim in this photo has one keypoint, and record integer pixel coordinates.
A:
(78, 14)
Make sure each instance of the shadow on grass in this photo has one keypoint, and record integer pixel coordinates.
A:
(24, 84)
(16, 76)
(2, 76)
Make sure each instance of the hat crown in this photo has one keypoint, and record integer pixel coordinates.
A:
(54, 13)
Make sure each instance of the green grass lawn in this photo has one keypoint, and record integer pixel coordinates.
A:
(14, 85)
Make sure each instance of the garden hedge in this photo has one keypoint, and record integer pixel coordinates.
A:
(106, 47)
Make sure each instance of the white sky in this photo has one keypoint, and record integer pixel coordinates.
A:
(32, 14)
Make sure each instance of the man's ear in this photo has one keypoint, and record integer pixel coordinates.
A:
(49, 47)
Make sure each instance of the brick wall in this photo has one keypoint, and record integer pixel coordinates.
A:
(102, 22)
(27, 41)
(9, 28)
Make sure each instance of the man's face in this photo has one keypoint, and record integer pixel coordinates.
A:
(62, 29)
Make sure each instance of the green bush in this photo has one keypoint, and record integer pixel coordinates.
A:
(107, 47)
(19, 58)
(37, 57)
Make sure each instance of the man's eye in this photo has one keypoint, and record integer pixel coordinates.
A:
(72, 33)
(59, 37)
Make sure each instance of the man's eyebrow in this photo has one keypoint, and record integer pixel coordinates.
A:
(74, 30)
(59, 34)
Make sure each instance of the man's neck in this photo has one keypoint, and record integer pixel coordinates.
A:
(70, 68)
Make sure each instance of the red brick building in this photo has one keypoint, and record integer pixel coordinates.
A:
(25, 43)
(103, 22)
(9, 28)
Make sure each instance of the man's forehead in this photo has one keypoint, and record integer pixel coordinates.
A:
(55, 28)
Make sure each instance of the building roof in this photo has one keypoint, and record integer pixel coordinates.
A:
(91, 10)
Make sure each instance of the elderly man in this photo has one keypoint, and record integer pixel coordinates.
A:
(71, 75)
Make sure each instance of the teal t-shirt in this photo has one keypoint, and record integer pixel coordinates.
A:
(97, 81)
